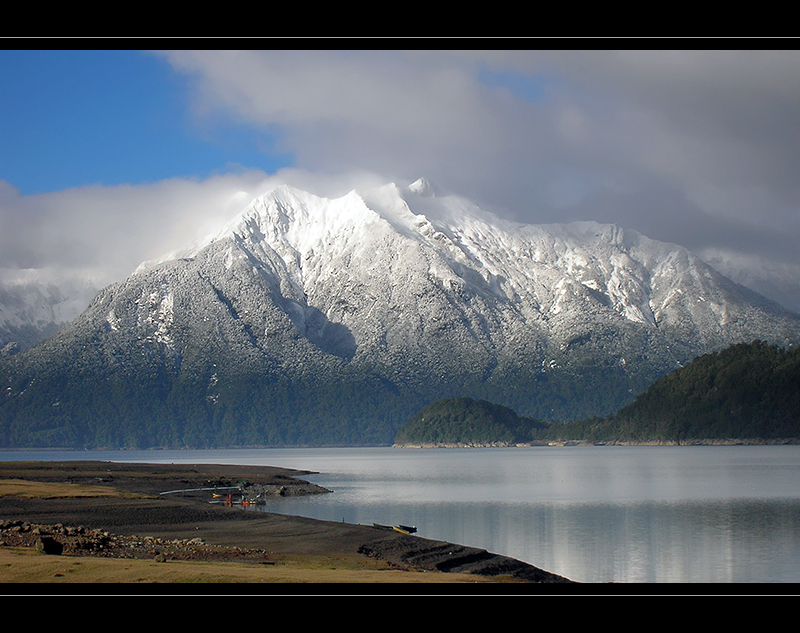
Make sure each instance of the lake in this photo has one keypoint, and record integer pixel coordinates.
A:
(704, 514)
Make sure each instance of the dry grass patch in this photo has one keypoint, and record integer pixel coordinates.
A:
(48, 490)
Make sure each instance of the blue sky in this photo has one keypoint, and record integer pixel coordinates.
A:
(111, 157)
(74, 118)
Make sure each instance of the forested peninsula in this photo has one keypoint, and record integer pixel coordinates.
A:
(747, 392)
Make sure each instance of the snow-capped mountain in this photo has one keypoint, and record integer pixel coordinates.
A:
(309, 320)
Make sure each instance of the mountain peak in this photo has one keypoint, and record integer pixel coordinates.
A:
(423, 187)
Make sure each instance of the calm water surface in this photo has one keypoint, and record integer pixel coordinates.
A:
(728, 514)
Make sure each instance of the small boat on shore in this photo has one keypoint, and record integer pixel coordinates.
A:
(381, 527)
(403, 529)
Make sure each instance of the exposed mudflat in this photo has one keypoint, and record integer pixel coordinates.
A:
(129, 503)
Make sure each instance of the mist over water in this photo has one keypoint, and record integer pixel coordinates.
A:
(592, 514)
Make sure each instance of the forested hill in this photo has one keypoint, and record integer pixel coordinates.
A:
(747, 391)
(464, 421)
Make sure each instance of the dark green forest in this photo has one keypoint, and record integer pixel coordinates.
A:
(468, 421)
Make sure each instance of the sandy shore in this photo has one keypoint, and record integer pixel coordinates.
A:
(117, 511)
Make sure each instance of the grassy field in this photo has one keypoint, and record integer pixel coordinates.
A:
(24, 565)
(49, 490)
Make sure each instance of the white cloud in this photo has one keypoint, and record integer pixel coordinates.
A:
(104, 232)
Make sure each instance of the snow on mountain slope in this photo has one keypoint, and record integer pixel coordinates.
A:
(389, 240)
(408, 277)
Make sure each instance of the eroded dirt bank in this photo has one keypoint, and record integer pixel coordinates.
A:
(128, 516)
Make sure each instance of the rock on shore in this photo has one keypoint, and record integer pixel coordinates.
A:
(58, 539)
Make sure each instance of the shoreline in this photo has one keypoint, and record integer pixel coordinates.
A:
(414, 445)
(124, 501)
(569, 443)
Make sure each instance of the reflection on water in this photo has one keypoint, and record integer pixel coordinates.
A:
(724, 541)
(592, 514)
